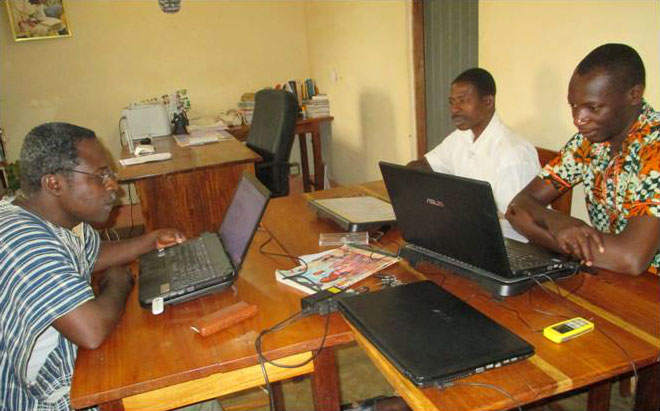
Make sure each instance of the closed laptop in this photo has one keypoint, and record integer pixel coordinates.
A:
(431, 336)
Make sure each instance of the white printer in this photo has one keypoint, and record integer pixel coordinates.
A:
(144, 121)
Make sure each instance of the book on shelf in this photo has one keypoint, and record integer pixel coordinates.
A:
(310, 87)
(317, 106)
(340, 267)
(246, 109)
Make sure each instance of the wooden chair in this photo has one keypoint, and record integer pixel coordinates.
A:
(563, 202)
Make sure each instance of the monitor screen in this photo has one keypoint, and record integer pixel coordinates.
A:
(242, 217)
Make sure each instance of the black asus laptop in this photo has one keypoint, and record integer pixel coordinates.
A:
(210, 262)
(429, 335)
(453, 221)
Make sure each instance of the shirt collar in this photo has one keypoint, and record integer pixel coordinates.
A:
(493, 124)
(647, 117)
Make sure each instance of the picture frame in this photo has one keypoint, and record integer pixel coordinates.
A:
(37, 19)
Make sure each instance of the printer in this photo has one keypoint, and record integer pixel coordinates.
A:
(141, 121)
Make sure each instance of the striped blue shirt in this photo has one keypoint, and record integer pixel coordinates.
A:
(45, 272)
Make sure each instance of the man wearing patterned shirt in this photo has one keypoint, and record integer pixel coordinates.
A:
(47, 306)
(616, 155)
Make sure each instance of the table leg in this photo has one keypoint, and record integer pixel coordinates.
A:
(648, 388)
(598, 398)
(325, 381)
(116, 405)
(319, 167)
(625, 388)
(302, 139)
(278, 396)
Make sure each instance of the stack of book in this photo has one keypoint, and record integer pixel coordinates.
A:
(317, 106)
(246, 108)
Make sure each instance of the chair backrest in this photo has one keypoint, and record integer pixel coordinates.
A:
(273, 124)
(271, 136)
(563, 202)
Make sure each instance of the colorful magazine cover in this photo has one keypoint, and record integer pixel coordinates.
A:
(340, 267)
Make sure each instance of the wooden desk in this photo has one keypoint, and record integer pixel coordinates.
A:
(589, 361)
(303, 126)
(149, 354)
(192, 190)
(159, 362)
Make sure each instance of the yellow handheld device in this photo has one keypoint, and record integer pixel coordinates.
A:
(566, 330)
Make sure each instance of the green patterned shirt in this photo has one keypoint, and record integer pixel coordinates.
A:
(619, 188)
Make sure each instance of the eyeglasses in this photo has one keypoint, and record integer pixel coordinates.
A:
(102, 178)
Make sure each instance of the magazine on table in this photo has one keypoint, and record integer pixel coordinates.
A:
(340, 267)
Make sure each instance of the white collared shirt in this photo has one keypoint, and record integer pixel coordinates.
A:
(500, 156)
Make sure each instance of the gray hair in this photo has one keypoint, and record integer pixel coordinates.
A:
(48, 149)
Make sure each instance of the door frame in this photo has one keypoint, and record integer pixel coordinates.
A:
(419, 75)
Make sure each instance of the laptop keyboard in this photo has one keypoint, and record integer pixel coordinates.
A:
(192, 266)
(520, 257)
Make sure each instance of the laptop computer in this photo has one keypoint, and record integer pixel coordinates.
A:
(210, 262)
(431, 336)
(453, 221)
(353, 214)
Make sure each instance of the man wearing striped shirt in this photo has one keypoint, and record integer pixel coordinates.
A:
(48, 252)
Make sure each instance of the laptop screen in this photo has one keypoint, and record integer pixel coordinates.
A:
(242, 217)
(450, 215)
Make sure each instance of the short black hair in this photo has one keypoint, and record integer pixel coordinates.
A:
(481, 79)
(48, 149)
(620, 60)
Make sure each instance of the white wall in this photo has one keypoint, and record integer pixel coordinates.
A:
(532, 47)
(360, 55)
(123, 51)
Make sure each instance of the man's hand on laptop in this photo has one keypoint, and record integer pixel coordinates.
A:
(167, 237)
(576, 237)
(558, 231)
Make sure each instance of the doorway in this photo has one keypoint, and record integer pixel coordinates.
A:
(445, 43)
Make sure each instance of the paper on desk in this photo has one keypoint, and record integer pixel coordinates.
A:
(221, 134)
(340, 267)
(198, 124)
(201, 137)
(509, 232)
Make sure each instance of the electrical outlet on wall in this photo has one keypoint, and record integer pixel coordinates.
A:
(334, 76)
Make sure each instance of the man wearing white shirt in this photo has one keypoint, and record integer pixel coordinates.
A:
(482, 147)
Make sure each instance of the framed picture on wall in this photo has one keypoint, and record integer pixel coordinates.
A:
(37, 19)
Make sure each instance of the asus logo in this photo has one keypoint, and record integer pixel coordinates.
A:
(442, 315)
(433, 202)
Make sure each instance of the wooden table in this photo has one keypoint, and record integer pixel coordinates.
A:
(624, 309)
(303, 126)
(158, 357)
(192, 190)
(159, 362)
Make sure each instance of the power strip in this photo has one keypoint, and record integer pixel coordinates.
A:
(323, 302)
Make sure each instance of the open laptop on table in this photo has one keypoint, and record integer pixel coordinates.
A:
(431, 336)
(210, 262)
(453, 221)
